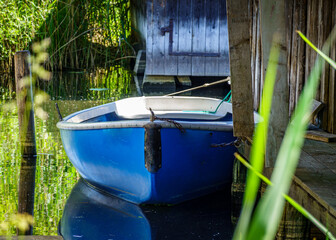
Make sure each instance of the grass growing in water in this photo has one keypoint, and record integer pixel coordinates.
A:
(83, 34)
(264, 222)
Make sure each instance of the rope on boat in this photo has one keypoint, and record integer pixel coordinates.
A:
(59, 113)
(235, 143)
(177, 125)
(198, 87)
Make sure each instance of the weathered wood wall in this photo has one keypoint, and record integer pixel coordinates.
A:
(199, 26)
(315, 18)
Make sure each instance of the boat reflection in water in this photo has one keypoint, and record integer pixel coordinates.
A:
(90, 214)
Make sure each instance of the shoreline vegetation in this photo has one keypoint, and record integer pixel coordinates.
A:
(83, 34)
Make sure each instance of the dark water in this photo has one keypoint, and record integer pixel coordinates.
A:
(88, 214)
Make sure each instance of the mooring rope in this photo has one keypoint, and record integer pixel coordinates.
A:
(235, 143)
(198, 87)
(177, 125)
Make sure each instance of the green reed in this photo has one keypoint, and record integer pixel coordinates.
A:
(84, 34)
(55, 175)
(263, 222)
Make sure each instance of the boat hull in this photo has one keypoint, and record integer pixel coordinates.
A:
(113, 159)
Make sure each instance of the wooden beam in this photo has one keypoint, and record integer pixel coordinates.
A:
(240, 67)
(321, 136)
(274, 23)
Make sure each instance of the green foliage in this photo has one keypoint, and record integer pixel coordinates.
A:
(55, 175)
(19, 21)
(83, 34)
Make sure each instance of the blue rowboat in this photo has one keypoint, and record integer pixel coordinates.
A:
(152, 149)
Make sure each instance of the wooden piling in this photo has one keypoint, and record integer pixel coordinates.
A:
(240, 67)
(237, 190)
(27, 135)
(274, 26)
(239, 182)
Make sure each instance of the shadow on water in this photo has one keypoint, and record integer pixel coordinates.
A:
(89, 214)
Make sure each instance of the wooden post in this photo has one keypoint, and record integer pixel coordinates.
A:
(274, 22)
(240, 67)
(27, 135)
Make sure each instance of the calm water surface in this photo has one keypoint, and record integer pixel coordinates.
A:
(58, 189)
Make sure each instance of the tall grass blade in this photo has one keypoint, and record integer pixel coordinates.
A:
(296, 205)
(258, 148)
(321, 53)
(269, 210)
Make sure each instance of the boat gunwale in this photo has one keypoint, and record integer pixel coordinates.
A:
(196, 125)
(192, 118)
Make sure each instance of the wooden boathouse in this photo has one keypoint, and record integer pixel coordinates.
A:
(181, 38)
(198, 38)
(251, 27)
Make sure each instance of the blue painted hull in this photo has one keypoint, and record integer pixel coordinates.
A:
(113, 159)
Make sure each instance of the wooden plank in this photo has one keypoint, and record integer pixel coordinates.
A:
(314, 182)
(223, 60)
(289, 12)
(149, 42)
(253, 37)
(315, 148)
(171, 61)
(320, 136)
(313, 185)
(312, 22)
(274, 21)
(159, 21)
(294, 58)
(240, 67)
(198, 40)
(140, 63)
(184, 80)
(301, 25)
(158, 84)
(212, 37)
(257, 59)
(318, 205)
(324, 30)
(184, 36)
(332, 79)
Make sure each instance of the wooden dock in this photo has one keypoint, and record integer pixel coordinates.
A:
(314, 184)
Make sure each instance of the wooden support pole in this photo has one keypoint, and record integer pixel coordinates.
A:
(274, 22)
(240, 67)
(27, 135)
